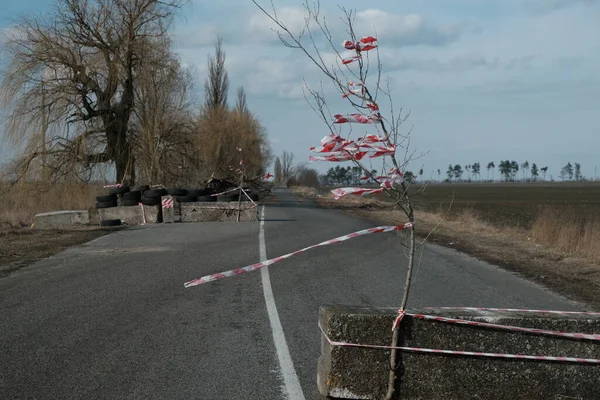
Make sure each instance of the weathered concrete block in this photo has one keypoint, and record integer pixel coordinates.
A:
(207, 212)
(131, 215)
(171, 212)
(216, 212)
(61, 219)
(362, 373)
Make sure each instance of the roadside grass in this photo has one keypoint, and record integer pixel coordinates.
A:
(571, 230)
(559, 246)
(20, 246)
(21, 201)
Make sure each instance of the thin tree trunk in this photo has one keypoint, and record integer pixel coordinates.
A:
(396, 333)
(240, 199)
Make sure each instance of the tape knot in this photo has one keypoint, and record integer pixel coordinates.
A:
(398, 319)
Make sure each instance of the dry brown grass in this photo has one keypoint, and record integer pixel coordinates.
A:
(20, 202)
(568, 230)
(305, 191)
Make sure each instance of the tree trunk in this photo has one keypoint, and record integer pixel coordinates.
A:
(119, 148)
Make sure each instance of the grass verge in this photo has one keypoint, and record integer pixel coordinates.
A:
(19, 244)
(20, 248)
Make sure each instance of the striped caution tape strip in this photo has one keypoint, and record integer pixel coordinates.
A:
(257, 266)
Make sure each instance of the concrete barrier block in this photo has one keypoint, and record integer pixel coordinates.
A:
(131, 215)
(153, 214)
(216, 212)
(171, 209)
(61, 219)
(362, 373)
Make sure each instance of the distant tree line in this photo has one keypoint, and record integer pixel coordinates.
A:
(339, 175)
(286, 173)
(510, 171)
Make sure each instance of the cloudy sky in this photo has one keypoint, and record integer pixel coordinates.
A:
(484, 80)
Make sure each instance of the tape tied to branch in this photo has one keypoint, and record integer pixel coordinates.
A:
(257, 266)
(341, 149)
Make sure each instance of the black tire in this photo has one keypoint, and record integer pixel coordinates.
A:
(106, 198)
(111, 222)
(151, 201)
(228, 197)
(134, 195)
(176, 192)
(245, 196)
(130, 202)
(155, 193)
(119, 190)
(207, 199)
(106, 204)
(187, 199)
(141, 188)
(198, 192)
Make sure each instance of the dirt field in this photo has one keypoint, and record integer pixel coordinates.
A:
(21, 247)
(549, 233)
(508, 204)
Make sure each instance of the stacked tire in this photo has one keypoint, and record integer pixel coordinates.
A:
(182, 195)
(203, 195)
(106, 201)
(251, 194)
(111, 200)
(152, 197)
(131, 198)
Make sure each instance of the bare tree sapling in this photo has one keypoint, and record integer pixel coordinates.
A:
(353, 78)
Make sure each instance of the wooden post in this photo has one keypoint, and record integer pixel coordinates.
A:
(43, 135)
(239, 213)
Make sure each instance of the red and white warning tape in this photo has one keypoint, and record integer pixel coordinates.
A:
(229, 191)
(167, 203)
(118, 185)
(341, 192)
(249, 198)
(143, 213)
(516, 310)
(257, 266)
(586, 336)
(464, 353)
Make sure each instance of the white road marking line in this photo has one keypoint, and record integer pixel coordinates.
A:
(290, 379)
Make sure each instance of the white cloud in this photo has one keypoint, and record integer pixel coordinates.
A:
(203, 36)
(522, 76)
(396, 30)
(405, 30)
(260, 27)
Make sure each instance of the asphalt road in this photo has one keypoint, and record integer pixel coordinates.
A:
(112, 320)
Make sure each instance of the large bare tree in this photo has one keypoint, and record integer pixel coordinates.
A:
(287, 166)
(227, 135)
(76, 69)
(163, 124)
(216, 87)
